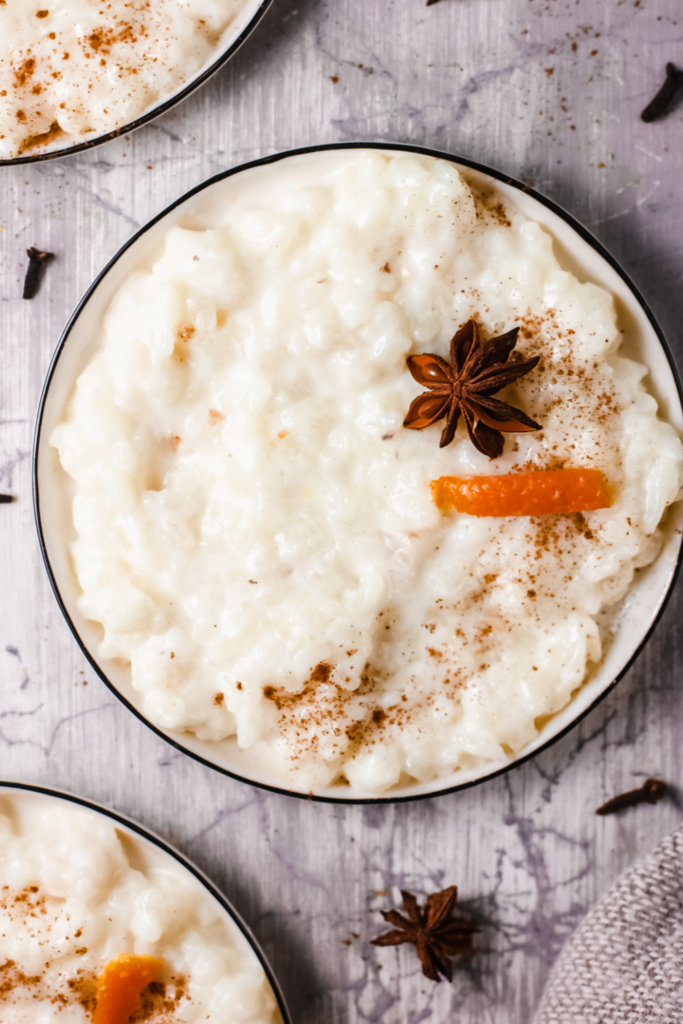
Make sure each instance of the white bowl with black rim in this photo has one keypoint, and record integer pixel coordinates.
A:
(146, 852)
(577, 251)
(237, 32)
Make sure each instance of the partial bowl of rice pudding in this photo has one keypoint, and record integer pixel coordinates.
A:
(103, 920)
(239, 483)
(76, 73)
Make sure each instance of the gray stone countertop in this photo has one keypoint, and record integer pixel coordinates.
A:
(549, 91)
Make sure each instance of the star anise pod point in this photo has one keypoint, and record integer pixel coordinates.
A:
(465, 386)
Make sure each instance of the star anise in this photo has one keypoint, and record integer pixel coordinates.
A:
(477, 370)
(435, 934)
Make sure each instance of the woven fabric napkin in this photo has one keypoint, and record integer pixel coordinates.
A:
(624, 963)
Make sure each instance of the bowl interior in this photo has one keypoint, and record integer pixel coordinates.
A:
(145, 852)
(626, 626)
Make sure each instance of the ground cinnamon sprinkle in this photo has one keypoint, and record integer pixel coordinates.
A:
(83, 988)
(13, 977)
(489, 205)
(324, 714)
(160, 1001)
(24, 72)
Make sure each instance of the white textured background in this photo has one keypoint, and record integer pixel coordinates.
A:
(549, 91)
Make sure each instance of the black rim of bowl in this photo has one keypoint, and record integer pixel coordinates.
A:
(274, 158)
(157, 111)
(157, 841)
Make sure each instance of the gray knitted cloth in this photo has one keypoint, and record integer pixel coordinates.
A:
(624, 964)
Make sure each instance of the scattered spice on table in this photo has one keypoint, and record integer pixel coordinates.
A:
(6, 499)
(436, 935)
(664, 101)
(37, 261)
(465, 385)
(650, 792)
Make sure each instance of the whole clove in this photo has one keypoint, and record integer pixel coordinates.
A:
(37, 261)
(430, 2)
(650, 792)
(6, 499)
(663, 103)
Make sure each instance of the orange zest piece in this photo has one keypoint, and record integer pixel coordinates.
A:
(537, 493)
(120, 985)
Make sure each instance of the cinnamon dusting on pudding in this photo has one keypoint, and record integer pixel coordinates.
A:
(326, 717)
(489, 205)
(160, 1001)
(53, 133)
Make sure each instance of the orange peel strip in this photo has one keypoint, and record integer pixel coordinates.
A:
(120, 985)
(536, 493)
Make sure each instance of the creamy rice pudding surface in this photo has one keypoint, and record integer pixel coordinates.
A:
(72, 899)
(73, 69)
(256, 532)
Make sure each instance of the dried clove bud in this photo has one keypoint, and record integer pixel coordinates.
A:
(37, 260)
(650, 792)
(6, 499)
(430, 2)
(663, 103)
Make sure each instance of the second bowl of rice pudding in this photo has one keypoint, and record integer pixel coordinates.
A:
(241, 529)
(104, 923)
(75, 73)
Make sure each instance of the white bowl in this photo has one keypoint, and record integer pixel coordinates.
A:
(576, 250)
(235, 35)
(149, 852)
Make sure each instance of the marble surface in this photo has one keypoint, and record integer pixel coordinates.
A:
(549, 91)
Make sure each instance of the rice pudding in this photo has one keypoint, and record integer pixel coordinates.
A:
(256, 530)
(71, 70)
(76, 893)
